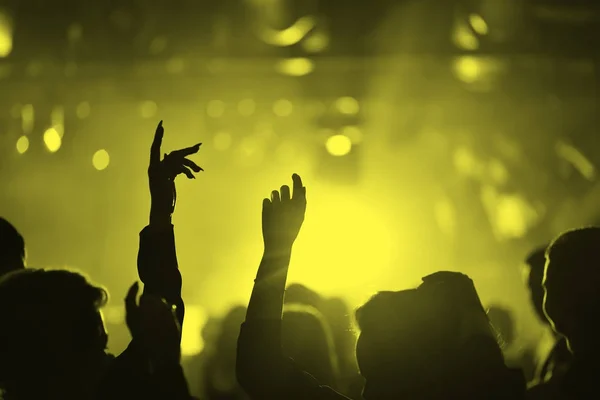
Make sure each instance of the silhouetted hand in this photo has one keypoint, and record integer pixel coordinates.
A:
(162, 173)
(283, 215)
(154, 327)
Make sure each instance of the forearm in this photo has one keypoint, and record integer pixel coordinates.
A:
(266, 301)
(157, 263)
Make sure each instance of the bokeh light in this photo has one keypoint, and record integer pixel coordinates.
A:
(52, 140)
(300, 66)
(347, 105)
(289, 36)
(464, 38)
(354, 133)
(283, 108)
(215, 108)
(478, 24)
(148, 109)
(468, 69)
(158, 45)
(247, 107)
(22, 144)
(338, 145)
(83, 110)
(316, 43)
(6, 34)
(101, 159)
(222, 141)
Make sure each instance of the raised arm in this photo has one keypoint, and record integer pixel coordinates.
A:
(262, 369)
(157, 257)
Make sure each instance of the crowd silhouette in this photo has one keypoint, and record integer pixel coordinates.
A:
(434, 341)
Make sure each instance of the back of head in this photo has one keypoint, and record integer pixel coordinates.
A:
(300, 294)
(50, 321)
(534, 274)
(571, 280)
(427, 342)
(12, 248)
(307, 339)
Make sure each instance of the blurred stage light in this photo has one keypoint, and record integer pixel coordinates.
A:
(215, 108)
(354, 133)
(463, 37)
(338, 145)
(74, 33)
(316, 43)
(483, 72)
(83, 110)
(158, 45)
(289, 36)
(27, 118)
(283, 108)
(345, 243)
(347, 105)
(6, 34)
(478, 24)
(101, 159)
(295, 66)
(148, 109)
(468, 69)
(246, 107)
(52, 140)
(175, 65)
(57, 118)
(22, 144)
(222, 141)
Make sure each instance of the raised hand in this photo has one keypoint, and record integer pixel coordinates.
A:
(154, 327)
(283, 215)
(162, 174)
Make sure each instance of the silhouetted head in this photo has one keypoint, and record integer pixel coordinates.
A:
(307, 339)
(52, 338)
(220, 367)
(571, 281)
(412, 342)
(534, 275)
(12, 248)
(502, 320)
(300, 294)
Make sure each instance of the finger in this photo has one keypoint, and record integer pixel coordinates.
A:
(184, 170)
(275, 199)
(285, 193)
(156, 144)
(298, 186)
(189, 163)
(185, 152)
(266, 204)
(131, 299)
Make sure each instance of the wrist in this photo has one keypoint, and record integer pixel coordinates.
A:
(272, 251)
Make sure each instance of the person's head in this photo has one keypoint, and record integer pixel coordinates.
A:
(52, 338)
(12, 248)
(534, 275)
(411, 341)
(502, 320)
(300, 294)
(307, 339)
(571, 282)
